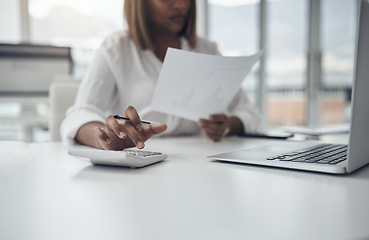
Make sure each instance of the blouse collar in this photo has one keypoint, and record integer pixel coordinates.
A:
(184, 46)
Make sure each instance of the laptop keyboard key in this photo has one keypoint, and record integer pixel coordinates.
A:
(321, 154)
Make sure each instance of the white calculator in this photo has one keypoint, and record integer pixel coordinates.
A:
(126, 158)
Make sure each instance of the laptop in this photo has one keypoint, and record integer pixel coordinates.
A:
(328, 158)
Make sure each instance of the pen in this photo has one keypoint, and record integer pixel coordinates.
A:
(125, 118)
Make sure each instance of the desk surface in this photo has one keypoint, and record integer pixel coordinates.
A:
(46, 194)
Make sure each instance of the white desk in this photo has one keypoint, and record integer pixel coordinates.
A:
(46, 194)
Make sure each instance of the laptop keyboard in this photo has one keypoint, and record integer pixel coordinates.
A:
(320, 154)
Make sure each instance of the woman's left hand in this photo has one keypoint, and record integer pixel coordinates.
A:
(216, 127)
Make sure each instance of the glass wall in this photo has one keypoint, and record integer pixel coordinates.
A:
(338, 25)
(233, 25)
(10, 28)
(81, 24)
(286, 62)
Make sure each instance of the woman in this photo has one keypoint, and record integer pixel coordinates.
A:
(125, 72)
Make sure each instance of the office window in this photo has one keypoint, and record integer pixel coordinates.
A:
(286, 63)
(338, 24)
(233, 25)
(10, 21)
(81, 24)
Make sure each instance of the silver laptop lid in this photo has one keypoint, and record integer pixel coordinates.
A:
(359, 144)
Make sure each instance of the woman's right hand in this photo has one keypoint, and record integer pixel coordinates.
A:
(121, 134)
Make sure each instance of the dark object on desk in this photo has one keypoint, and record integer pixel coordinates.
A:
(274, 135)
(320, 130)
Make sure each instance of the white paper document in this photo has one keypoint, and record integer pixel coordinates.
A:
(193, 85)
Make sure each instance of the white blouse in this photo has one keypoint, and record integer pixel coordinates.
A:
(123, 75)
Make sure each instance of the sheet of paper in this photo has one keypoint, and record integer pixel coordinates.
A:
(193, 85)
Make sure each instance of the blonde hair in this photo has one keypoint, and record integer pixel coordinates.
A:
(136, 18)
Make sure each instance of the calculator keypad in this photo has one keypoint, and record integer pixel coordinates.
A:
(142, 154)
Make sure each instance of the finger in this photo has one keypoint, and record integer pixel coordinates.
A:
(218, 132)
(215, 138)
(218, 117)
(215, 126)
(133, 134)
(132, 114)
(101, 135)
(153, 130)
(206, 122)
(203, 122)
(101, 138)
(112, 142)
(116, 127)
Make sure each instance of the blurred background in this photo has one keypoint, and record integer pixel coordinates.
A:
(303, 79)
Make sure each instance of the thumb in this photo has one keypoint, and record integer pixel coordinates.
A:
(157, 129)
(154, 129)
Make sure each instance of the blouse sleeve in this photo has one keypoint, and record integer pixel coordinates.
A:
(242, 108)
(95, 96)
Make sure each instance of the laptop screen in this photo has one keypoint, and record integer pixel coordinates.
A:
(358, 150)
